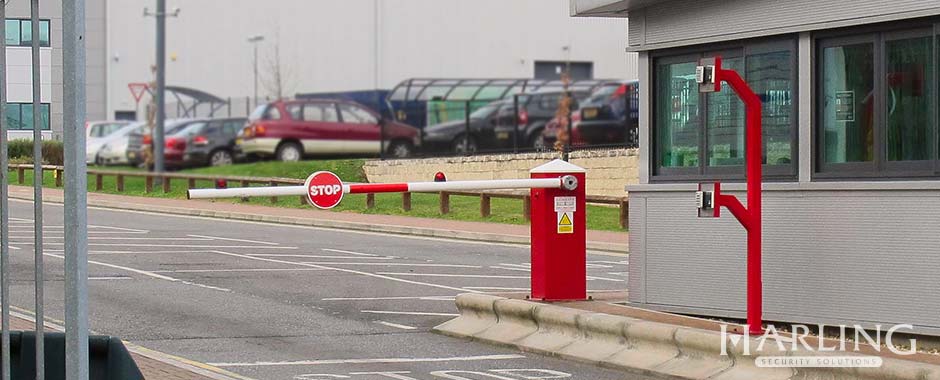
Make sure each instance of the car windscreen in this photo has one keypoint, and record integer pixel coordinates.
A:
(485, 111)
(602, 94)
(258, 113)
(185, 130)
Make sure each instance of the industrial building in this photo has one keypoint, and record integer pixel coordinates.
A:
(850, 148)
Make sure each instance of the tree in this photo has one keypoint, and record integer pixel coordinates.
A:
(278, 79)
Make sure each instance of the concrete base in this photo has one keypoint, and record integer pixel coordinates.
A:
(641, 346)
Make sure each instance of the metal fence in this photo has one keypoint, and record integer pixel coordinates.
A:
(521, 124)
(75, 214)
(229, 107)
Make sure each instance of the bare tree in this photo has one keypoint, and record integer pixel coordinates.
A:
(278, 78)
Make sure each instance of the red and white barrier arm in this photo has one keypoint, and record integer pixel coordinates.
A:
(567, 182)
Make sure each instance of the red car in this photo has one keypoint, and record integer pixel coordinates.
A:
(291, 129)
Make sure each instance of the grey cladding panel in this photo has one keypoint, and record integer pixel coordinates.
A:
(863, 256)
(681, 20)
(636, 279)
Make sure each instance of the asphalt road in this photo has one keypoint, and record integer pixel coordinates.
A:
(286, 302)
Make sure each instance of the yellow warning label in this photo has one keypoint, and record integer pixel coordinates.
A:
(566, 222)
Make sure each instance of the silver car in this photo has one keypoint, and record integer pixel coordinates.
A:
(112, 150)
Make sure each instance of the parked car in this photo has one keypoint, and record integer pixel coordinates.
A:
(202, 143)
(452, 136)
(113, 149)
(609, 116)
(95, 134)
(141, 140)
(288, 130)
(535, 112)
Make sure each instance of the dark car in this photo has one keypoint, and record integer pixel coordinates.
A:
(535, 112)
(291, 129)
(609, 116)
(202, 143)
(452, 136)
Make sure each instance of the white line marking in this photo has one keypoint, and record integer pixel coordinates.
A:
(321, 257)
(451, 275)
(373, 361)
(496, 288)
(347, 271)
(427, 298)
(146, 273)
(410, 313)
(238, 270)
(104, 278)
(109, 252)
(129, 238)
(395, 325)
(232, 239)
(398, 264)
(15, 248)
(604, 279)
(348, 252)
(515, 269)
(175, 245)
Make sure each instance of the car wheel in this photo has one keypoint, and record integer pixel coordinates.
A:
(220, 158)
(289, 152)
(401, 149)
(99, 161)
(462, 146)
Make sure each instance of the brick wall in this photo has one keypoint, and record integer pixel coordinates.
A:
(608, 171)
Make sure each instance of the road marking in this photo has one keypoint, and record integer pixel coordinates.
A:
(400, 264)
(174, 245)
(232, 239)
(496, 288)
(373, 361)
(126, 238)
(395, 325)
(321, 257)
(347, 271)
(348, 252)
(452, 275)
(604, 279)
(15, 248)
(427, 314)
(105, 278)
(238, 270)
(107, 252)
(146, 273)
(428, 298)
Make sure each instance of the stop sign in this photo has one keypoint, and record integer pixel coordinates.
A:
(324, 190)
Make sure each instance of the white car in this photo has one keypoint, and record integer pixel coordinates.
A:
(95, 134)
(112, 150)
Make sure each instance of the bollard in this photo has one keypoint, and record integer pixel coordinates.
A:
(558, 235)
(406, 201)
(484, 205)
(445, 203)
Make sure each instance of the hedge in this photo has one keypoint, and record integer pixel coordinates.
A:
(22, 150)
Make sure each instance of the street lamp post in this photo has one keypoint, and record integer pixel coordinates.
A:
(254, 40)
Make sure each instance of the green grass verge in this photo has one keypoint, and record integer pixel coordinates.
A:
(464, 208)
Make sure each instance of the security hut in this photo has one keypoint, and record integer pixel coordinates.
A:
(851, 201)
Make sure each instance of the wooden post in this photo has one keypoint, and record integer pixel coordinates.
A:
(245, 184)
(166, 185)
(120, 183)
(406, 201)
(527, 207)
(148, 182)
(370, 200)
(57, 173)
(99, 182)
(273, 199)
(303, 200)
(20, 175)
(624, 214)
(485, 205)
(445, 203)
(192, 183)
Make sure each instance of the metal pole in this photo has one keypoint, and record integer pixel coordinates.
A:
(161, 89)
(515, 123)
(37, 192)
(256, 72)
(466, 127)
(568, 127)
(76, 187)
(4, 214)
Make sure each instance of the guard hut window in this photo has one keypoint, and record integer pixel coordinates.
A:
(20, 116)
(877, 105)
(702, 136)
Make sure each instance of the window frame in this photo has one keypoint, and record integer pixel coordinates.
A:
(47, 117)
(880, 168)
(23, 43)
(734, 173)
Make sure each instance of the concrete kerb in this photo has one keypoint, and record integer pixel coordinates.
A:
(646, 347)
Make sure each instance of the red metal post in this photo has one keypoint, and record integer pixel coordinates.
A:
(558, 236)
(749, 217)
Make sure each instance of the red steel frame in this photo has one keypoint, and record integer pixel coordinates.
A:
(750, 216)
